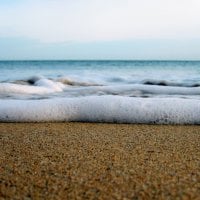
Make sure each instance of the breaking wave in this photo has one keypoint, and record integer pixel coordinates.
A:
(66, 87)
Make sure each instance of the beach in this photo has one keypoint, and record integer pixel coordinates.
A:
(99, 161)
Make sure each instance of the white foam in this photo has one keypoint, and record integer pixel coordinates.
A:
(41, 86)
(103, 109)
(55, 86)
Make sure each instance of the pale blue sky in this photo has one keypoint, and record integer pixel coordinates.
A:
(100, 29)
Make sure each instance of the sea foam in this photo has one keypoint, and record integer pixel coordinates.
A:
(112, 109)
(45, 86)
(41, 86)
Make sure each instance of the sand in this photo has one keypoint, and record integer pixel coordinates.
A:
(99, 161)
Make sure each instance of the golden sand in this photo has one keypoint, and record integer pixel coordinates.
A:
(99, 161)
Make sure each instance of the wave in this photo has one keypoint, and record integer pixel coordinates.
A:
(66, 87)
(110, 109)
(40, 86)
(107, 80)
(45, 87)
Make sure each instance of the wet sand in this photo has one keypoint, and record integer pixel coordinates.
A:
(99, 161)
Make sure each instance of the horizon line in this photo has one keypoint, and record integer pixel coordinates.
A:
(136, 60)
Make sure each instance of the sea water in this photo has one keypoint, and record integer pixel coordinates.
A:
(160, 92)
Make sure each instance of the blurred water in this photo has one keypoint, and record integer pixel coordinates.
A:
(78, 75)
(184, 71)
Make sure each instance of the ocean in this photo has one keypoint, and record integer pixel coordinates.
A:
(152, 92)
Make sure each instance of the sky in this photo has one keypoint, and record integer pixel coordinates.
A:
(100, 29)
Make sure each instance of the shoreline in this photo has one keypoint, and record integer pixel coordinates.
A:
(99, 161)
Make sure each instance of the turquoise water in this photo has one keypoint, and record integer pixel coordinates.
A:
(12, 70)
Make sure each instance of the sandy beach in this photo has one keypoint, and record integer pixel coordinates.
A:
(99, 161)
